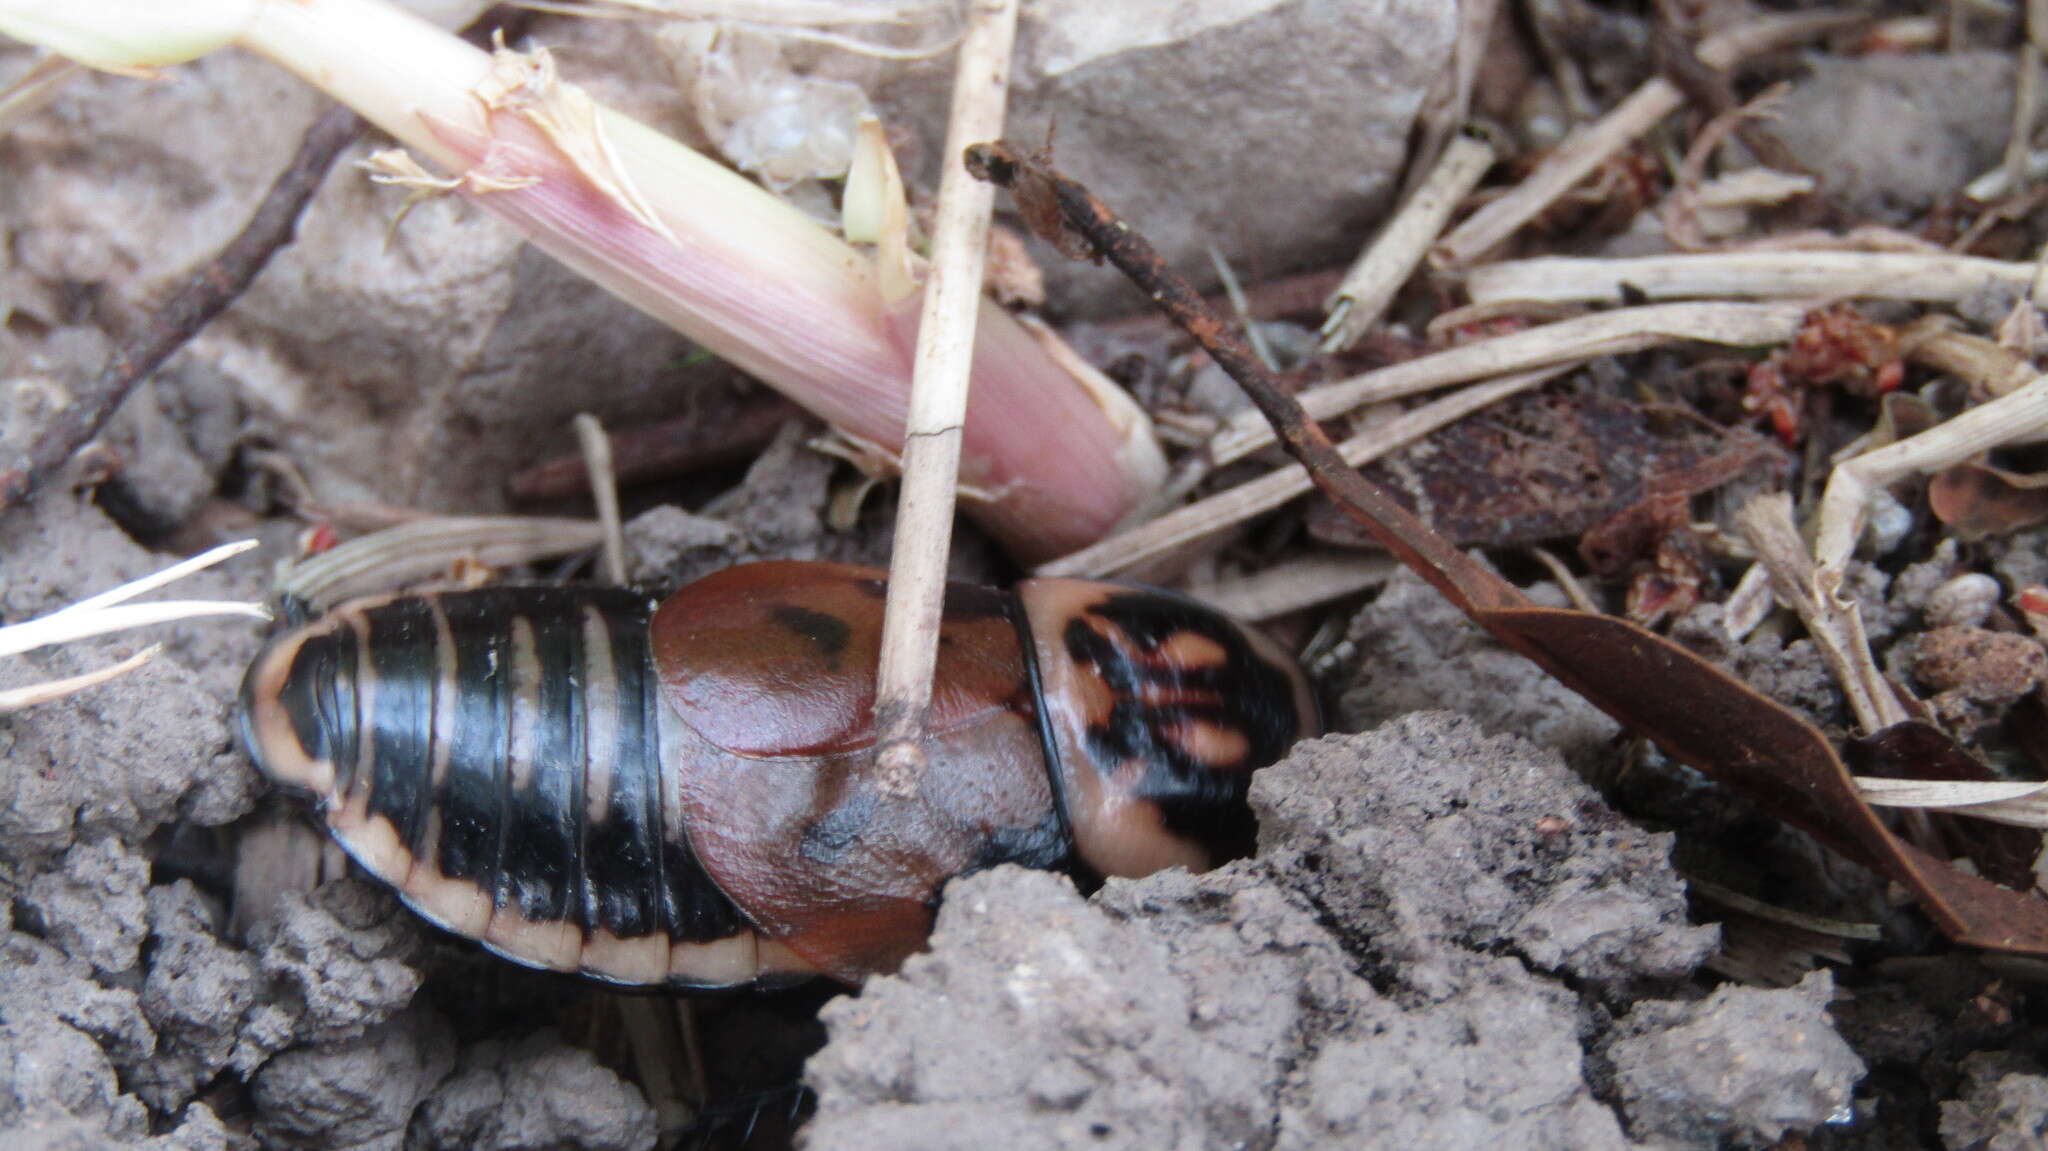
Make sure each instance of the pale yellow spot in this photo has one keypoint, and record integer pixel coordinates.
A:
(1191, 650)
(602, 715)
(1209, 744)
(525, 696)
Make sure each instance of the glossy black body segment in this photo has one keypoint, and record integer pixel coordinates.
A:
(526, 720)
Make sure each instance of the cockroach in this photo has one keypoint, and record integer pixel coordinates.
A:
(683, 793)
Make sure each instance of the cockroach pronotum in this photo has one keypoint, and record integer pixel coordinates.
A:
(684, 793)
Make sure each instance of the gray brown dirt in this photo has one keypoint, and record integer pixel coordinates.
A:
(1426, 952)
(534, 1093)
(1411, 650)
(1890, 134)
(2004, 1106)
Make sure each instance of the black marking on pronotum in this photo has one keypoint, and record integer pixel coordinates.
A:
(827, 633)
(1244, 693)
(826, 838)
(1045, 846)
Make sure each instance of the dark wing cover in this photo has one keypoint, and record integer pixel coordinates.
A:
(772, 668)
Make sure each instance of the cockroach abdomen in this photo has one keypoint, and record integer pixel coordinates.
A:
(497, 756)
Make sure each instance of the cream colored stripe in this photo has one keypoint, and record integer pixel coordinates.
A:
(524, 691)
(601, 710)
(441, 740)
(366, 708)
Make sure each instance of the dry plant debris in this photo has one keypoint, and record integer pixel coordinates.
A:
(1697, 713)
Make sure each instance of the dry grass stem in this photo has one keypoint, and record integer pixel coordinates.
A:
(803, 20)
(1225, 510)
(1392, 257)
(1997, 184)
(1916, 276)
(1297, 584)
(2019, 803)
(1834, 623)
(35, 88)
(1749, 604)
(604, 491)
(1990, 368)
(2026, 101)
(164, 578)
(1448, 104)
(1573, 589)
(68, 626)
(425, 549)
(1233, 291)
(1587, 148)
(657, 1057)
(20, 698)
(1820, 925)
(2017, 416)
(1567, 341)
(938, 395)
(110, 611)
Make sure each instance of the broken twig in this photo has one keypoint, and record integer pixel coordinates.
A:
(210, 290)
(604, 492)
(206, 295)
(1918, 276)
(1833, 622)
(1570, 341)
(938, 401)
(1588, 148)
(1394, 254)
(2017, 415)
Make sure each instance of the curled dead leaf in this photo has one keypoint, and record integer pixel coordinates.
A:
(1977, 500)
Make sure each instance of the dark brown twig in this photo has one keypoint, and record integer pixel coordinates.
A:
(211, 289)
(732, 435)
(207, 294)
(1045, 195)
(1714, 94)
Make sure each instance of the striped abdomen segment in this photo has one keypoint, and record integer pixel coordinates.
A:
(496, 756)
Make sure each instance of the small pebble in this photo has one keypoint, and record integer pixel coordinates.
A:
(1965, 601)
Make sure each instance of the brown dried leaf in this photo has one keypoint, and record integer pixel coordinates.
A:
(1550, 466)
(1977, 500)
